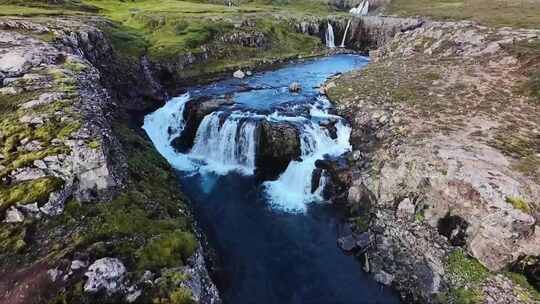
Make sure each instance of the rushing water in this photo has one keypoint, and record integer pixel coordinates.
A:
(276, 240)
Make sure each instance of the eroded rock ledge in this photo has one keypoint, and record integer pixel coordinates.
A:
(453, 199)
(89, 211)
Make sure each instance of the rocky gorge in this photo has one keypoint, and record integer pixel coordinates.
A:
(447, 195)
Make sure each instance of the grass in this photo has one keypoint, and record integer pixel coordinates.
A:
(466, 268)
(529, 293)
(28, 192)
(518, 203)
(497, 13)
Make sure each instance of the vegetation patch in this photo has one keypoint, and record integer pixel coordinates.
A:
(498, 13)
(465, 268)
(28, 192)
(518, 203)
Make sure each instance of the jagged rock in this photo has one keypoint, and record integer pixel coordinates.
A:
(330, 126)
(29, 208)
(405, 209)
(383, 277)
(13, 63)
(133, 294)
(13, 216)
(54, 274)
(194, 112)
(33, 146)
(2, 156)
(278, 144)
(26, 174)
(105, 274)
(56, 202)
(339, 178)
(33, 120)
(77, 264)
(347, 243)
(10, 90)
(295, 87)
(44, 99)
(239, 74)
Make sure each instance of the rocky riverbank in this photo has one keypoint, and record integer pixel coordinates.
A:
(90, 212)
(446, 162)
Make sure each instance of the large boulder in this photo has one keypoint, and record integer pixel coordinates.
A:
(194, 112)
(105, 274)
(339, 178)
(278, 144)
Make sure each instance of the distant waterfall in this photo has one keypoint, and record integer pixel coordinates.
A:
(228, 146)
(329, 36)
(361, 10)
(345, 34)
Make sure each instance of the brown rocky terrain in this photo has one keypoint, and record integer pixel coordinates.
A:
(447, 149)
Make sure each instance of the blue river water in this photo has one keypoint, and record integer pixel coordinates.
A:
(275, 241)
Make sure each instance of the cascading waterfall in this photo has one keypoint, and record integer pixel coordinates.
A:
(226, 147)
(329, 36)
(345, 34)
(292, 190)
(226, 139)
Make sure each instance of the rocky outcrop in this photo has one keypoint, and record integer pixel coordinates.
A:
(277, 145)
(440, 190)
(59, 149)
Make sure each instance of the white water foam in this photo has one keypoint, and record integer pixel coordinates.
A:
(292, 190)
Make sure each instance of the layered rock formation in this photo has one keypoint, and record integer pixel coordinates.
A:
(453, 204)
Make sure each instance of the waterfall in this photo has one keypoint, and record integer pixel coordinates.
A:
(361, 10)
(345, 34)
(163, 125)
(292, 190)
(329, 36)
(226, 147)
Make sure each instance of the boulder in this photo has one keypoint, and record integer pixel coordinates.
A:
(383, 278)
(105, 274)
(405, 209)
(339, 178)
(278, 144)
(14, 216)
(239, 74)
(194, 112)
(347, 243)
(295, 87)
(330, 126)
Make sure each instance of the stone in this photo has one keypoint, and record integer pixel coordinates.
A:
(2, 156)
(13, 63)
(40, 164)
(54, 274)
(405, 209)
(355, 195)
(29, 208)
(105, 274)
(33, 146)
(26, 174)
(78, 264)
(133, 294)
(249, 73)
(56, 202)
(13, 216)
(347, 243)
(383, 278)
(44, 99)
(10, 90)
(278, 145)
(295, 87)
(239, 74)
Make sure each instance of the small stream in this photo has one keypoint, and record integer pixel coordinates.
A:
(275, 238)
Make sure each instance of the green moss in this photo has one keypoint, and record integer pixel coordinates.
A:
(466, 296)
(10, 103)
(529, 292)
(28, 192)
(12, 238)
(181, 296)
(466, 268)
(75, 66)
(167, 250)
(94, 144)
(518, 203)
(68, 130)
